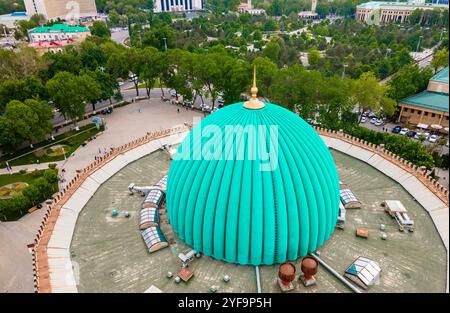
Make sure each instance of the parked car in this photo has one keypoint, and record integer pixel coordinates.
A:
(404, 131)
(107, 111)
(411, 133)
(363, 119)
(379, 122)
(417, 136)
(433, 138)
(396, 129)
(373, 120)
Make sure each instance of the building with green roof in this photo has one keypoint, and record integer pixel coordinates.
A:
(253, 183)
(57, 32)
(429, 107)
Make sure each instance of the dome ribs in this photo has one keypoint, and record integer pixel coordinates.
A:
(237, 211)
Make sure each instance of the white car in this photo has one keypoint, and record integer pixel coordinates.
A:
(404, 131)
(379, 122)
(363, 119)
(418, 135)
(433, 138)
(373, 120)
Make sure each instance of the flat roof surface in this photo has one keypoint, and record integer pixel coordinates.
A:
(63, 28)
(429, 100)
(441, 76)
(111, 257)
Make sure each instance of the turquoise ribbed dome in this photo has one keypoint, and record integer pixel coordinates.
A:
(229, 208)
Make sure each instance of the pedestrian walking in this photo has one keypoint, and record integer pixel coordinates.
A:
(99, 150)
(178, 110)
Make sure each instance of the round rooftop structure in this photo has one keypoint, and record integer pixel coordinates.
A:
(253, 183)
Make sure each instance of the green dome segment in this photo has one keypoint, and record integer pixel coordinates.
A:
(233, 201)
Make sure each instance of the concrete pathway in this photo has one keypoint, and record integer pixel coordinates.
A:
(29, 167)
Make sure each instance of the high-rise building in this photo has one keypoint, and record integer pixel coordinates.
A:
(67, 10)
(177, 5)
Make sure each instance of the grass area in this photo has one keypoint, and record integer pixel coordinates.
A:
(8, 179)
(17, 177)
(142, 85)
(72, 139)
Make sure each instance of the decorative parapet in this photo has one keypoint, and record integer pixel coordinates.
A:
(419, 172)
(39, 251)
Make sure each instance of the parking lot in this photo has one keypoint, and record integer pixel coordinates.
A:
(412, 132)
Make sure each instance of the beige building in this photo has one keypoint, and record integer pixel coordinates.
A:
(429, 107)
(67, 10)
(377, 12)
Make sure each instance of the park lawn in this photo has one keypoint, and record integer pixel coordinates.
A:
(73, 143)
(7, 179)
(142, 86)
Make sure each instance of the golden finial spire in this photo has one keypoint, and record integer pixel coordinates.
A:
(254, 102)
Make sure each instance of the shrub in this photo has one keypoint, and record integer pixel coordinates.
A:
(23, 172)
(52, 166)
(51, 176)
(36, 173)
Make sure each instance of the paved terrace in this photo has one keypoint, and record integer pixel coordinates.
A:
(119, 263)
(109, 255)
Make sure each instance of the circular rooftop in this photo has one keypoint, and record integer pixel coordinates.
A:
(253, 186)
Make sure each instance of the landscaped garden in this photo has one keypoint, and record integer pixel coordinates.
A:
(21, 191)
(52, 150)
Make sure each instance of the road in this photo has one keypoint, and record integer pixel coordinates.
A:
(119, 35)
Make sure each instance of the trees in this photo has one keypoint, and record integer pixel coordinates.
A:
(208, 72)
(70, 93)
(272, 51)
(408, 81)
(235, 79)
(440, 59)
(313, 57)
(90, 88)
(368, 94)
(100, 29)
(265, 70)
(160, 38)
(150, 67)
(22, 121)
